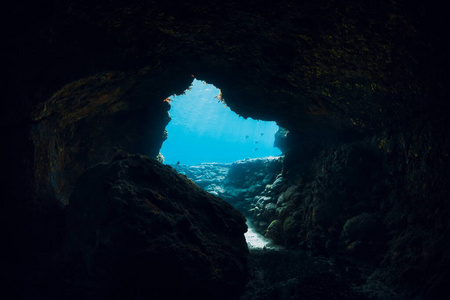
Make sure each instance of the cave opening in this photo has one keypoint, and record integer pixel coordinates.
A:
(223, 153)
(204, 130)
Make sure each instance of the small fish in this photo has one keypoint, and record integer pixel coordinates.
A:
(246, 136)
(256, 142)
(178, 162)
(262, 133)
(256, 149)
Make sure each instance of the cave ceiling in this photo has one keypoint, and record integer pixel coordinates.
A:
(341, 66)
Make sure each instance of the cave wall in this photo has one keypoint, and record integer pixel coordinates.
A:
(85, 79)
(91, 120)
(382, 200)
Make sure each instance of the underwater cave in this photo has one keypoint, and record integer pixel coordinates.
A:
(356, 207)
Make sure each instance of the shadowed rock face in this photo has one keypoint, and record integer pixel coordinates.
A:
(314, 65)
(135, 228)
(88, 121)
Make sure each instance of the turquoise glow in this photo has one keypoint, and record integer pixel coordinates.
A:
(203, 129)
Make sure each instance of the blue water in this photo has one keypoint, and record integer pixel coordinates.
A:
(203, 129)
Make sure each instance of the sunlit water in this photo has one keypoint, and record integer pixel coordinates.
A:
(258, 241)
(203, 129)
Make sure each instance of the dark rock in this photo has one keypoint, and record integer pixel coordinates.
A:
(288, 274)
(63, 135)
(261, 201)
(281, 139)
(136, 229)
(274, 230)
(355, 201)
(359, 227)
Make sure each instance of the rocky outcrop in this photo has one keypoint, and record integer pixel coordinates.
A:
(281, 139)
(208, 176)
(89, 121)
(136, 229)
(361, 200)
(240, 183)
(247, 179)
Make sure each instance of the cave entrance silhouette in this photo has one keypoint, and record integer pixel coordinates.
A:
(204, 129)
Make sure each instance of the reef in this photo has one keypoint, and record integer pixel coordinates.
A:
(239, 183)
(360, 88)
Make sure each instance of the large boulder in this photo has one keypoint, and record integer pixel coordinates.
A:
(136, 229)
